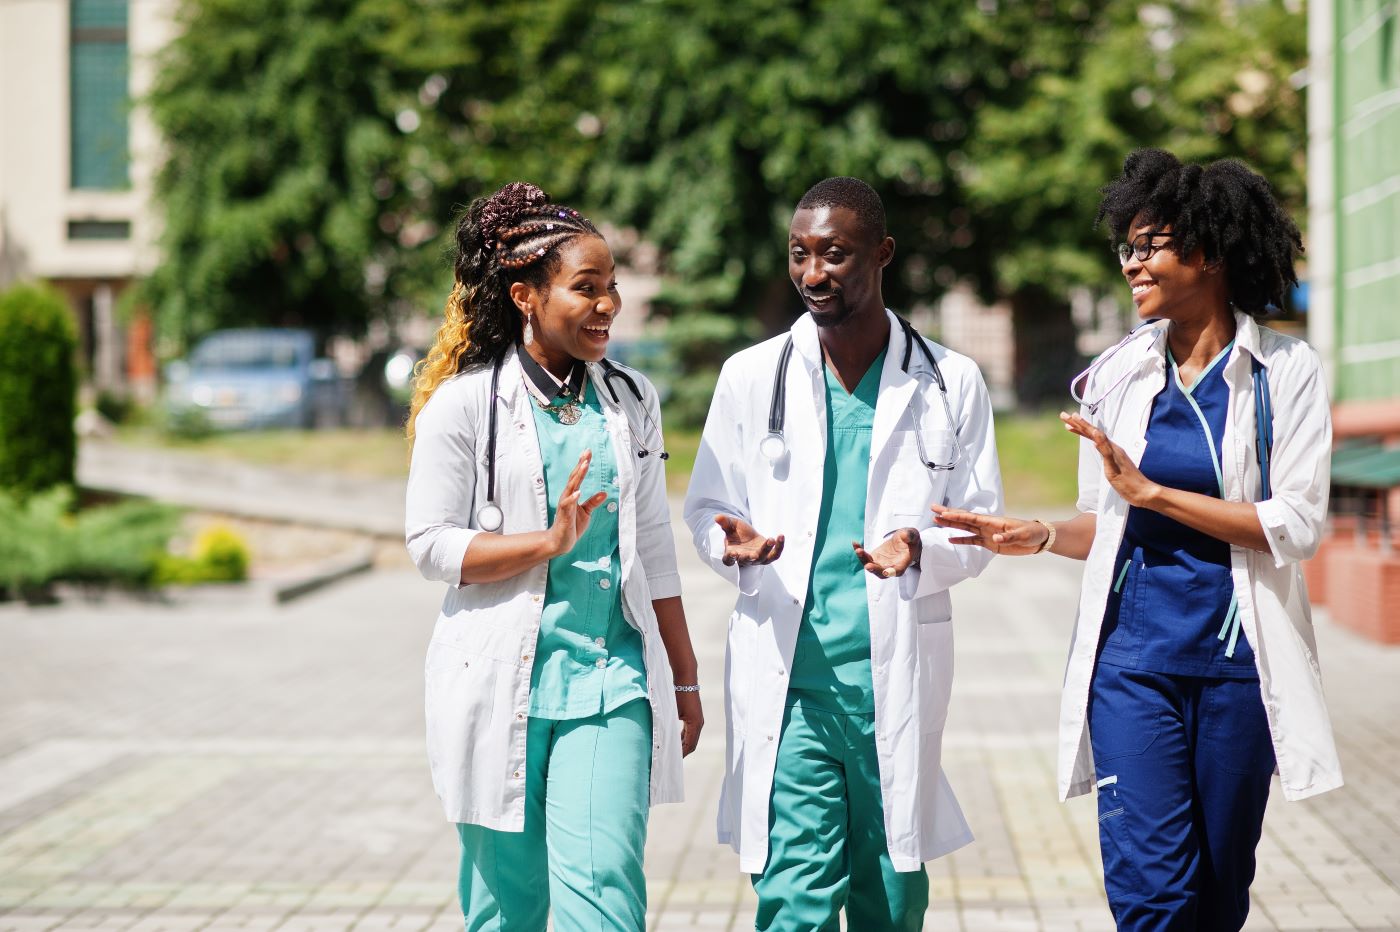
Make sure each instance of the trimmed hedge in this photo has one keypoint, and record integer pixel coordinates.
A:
(38, 390)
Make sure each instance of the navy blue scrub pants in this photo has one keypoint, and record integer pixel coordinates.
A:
(1183, 766)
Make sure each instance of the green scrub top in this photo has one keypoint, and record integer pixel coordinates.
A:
(588, 659)
(831, 666)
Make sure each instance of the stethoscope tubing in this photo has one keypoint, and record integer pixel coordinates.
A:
(490, 517)
(774, 446)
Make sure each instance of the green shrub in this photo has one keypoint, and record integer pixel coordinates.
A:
(42, 541)
(38, 390)
(219, 555)
(114, 406)
(187, 424)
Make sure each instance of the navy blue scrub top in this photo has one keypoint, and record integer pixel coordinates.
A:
(1172, 594)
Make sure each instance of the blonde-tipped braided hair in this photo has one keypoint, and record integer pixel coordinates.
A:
(511, 236)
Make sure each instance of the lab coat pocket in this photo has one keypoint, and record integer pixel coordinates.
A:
(910, 486)
(478, 640)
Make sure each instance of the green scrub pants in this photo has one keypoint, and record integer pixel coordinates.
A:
(826, 835)
(587, 789)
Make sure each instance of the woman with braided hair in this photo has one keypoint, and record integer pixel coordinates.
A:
(1193, 673)
(561, 684)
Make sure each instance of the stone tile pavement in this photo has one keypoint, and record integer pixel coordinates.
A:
(250, 768)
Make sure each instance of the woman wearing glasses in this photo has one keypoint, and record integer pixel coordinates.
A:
(561, 683)
(1193, 673)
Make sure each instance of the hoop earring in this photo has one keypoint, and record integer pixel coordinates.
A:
(529, 335)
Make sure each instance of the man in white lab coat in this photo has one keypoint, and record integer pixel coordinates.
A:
(822, 452)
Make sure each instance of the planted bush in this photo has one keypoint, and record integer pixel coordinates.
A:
(219, 555)
(42, 541)
(38, 390)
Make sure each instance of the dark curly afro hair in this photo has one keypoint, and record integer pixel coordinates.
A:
(1223, 209)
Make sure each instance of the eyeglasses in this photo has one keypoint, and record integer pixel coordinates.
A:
(1143, 246)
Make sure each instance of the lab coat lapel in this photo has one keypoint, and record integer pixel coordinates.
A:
(897, 389)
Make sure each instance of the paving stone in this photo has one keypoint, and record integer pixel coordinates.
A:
(254, 768)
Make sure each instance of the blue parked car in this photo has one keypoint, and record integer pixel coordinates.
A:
(242, 379)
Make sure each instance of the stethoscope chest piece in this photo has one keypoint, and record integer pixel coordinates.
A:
(489, 517)
(773, 446)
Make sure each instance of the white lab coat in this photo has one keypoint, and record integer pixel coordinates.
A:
(1273, 601)
(911, 637)
(477, 670)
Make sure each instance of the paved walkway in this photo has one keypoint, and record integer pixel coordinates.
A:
(258, 768)
(335, 500)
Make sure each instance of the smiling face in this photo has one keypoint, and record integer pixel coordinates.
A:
(836, 263)
(1167, 286)
(574, 310)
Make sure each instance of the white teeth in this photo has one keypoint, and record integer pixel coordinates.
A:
(1139, 289)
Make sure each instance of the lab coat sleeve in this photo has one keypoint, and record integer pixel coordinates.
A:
(656, 547)
(1090, 472)
(974, 485)
(1294, 515)
(718, 485)
(441, 488)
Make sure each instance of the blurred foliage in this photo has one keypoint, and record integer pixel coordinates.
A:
(42, 541)
(319, 147)
(697, 344)
(38, 390)
(219, 554)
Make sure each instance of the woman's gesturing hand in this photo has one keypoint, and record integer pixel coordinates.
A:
(692, 720)
(571, 515)
(1015, 537)
(1118, 468)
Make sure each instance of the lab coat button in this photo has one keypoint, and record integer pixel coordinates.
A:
(600, 663)
(536, 598)
(517, 775)
(525, 657)
(605, 583)
(770, 737)
(539, 480)
(605, 561)
(520, 716)
(600, 641)
(612, 506)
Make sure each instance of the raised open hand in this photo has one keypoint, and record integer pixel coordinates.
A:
(571, 515)
(745, 546)
(1118, 468)
(895, 554)
(1014, 537)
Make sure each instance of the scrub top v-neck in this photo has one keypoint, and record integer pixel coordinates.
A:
(588, 659)
(831, 665)
(1172, 608)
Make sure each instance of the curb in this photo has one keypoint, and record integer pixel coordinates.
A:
(359, 559)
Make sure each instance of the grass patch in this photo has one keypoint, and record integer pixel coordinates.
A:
(379, 453)
(1039, 458)
(1039, 461)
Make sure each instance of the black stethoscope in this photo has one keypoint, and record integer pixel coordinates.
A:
(774, 446)
(489, 516)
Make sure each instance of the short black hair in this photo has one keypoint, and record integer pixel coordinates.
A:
(854, 195)
(1225, 209)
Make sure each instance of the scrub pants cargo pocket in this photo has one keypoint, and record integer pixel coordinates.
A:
(1176, 827)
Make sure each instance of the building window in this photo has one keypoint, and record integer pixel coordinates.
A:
(99, 105)
(99, 229)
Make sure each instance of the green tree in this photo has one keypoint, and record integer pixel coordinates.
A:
(278, 134)
(38, 390)
(1205, 79)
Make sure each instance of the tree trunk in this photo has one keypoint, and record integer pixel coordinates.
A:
(1046, 356)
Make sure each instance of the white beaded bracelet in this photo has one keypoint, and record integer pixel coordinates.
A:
(688, 689)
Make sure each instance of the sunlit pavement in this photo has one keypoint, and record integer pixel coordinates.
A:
(248, 767)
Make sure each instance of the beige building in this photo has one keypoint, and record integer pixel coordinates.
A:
(77, 162)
